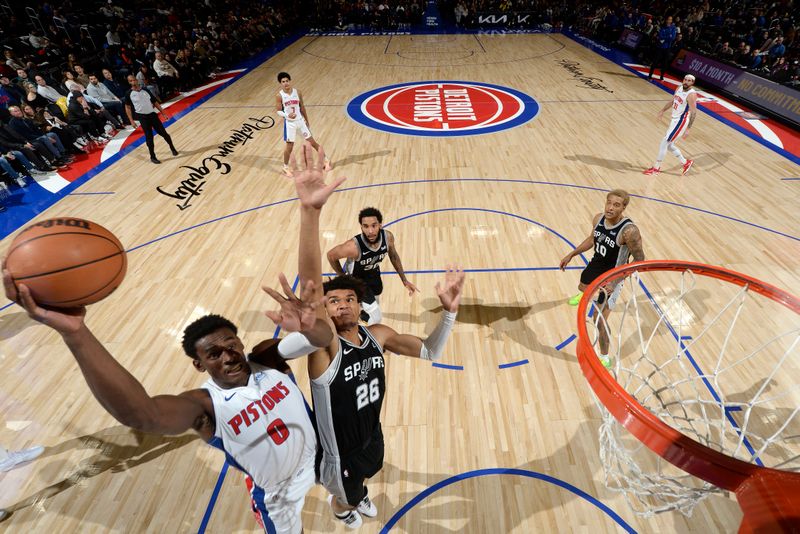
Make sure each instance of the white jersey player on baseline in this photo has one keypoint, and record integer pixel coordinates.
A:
(684, 111)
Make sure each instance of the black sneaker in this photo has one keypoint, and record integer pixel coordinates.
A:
(174, 152)
(154, 159)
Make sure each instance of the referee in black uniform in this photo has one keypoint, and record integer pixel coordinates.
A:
(142, 105)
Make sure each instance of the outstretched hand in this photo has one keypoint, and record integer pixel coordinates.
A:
(411, 288)
(450, 292)
(296, 314)
(63, 320)
(309, 181)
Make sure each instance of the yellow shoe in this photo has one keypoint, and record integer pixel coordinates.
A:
(576, 299)
(605, 359)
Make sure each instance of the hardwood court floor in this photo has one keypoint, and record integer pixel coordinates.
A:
(509, 205)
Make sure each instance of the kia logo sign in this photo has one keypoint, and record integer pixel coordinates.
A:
(442, 108)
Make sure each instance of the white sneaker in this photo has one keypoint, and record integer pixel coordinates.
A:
(20, 457)
(287, 171)
(352, 520)
(20, 181)
(367, 507)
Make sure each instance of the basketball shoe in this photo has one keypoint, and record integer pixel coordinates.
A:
(367, 507)
(287, 171)
(687, 166)
(15, 458)
(351, 519)
(652, 171)
(575, 299)
(605, 359)
(327, 165)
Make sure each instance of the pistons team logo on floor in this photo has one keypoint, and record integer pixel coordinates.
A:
(442, 108)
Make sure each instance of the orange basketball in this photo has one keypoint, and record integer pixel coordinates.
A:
(67, 262)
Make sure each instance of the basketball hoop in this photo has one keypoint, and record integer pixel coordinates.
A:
(684, 338)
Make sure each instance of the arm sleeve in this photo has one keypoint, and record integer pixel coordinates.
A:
(433, 346)
(295, 345)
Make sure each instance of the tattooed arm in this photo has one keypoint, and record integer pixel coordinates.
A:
(633, 240)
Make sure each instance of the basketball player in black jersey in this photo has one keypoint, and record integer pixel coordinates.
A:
(615, 239)
(363, 254)
(347, 377)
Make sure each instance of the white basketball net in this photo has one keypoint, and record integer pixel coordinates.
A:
(713, 360)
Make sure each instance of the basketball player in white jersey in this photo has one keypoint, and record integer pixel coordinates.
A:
(347, 376)
(289, 105)
(253, 412)
(615, 239)
(363, 255)
(684, 111)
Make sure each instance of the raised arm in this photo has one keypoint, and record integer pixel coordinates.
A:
(113, 386)
(586, 244)
(432, 347)
(342, 251)
(394, 257)
(313, 193)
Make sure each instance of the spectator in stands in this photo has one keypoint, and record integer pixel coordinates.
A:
(35, 136)
(12, 62)
(167, 74)
(22, 79)
(112, 85)
(15, 94)
(112, 37)
(780, 72)
(743, 59)
(81, 114)
(11, 141)
(80, 75)
(44, 90)
(107, 99)
(69, 137)
(666, 36)
(777, 50)
(33, 98)
(95, 105)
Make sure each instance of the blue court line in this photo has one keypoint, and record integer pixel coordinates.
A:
(566, 342)
(214, 496)
(7, 306)
(96, 193)
(789, 179)
(733, 408)
(505, 471)
(700, 372)
(479, 270)
(513, 364)
(683, 338)
(448, 366)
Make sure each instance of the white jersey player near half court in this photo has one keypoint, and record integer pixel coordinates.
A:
(289, 105)
(684, 111)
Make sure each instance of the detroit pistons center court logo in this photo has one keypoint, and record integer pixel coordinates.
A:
(442, 108)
